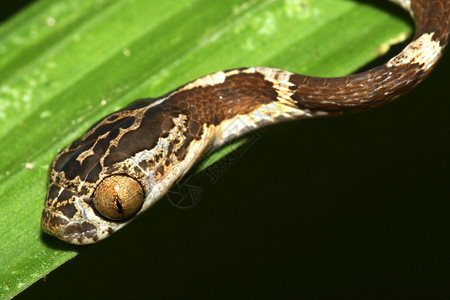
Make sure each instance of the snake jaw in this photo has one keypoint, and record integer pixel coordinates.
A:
(71, 217)
(72, 232)
(80, 230)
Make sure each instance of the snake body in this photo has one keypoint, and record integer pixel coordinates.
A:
(128, 160)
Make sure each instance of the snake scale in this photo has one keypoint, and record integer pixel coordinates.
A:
(128, 160)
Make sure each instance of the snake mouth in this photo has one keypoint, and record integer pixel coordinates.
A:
(79, 232)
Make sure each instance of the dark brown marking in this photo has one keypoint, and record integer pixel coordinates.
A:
(53, 191)
(94, 172)
(54, 220)
(63, 158)
(143, 138)
(68, 210)
(239, 94)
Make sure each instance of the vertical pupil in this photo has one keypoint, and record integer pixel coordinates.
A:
(119, 206)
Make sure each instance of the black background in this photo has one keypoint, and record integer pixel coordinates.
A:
(356, 206)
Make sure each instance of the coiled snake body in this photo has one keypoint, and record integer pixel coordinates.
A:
(127, 161)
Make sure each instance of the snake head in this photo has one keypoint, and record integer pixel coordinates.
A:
(71, 225)
(102, 180)
(95, 187)
(88, 213)
(80, 219)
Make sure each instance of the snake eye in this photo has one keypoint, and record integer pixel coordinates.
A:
(118, 197)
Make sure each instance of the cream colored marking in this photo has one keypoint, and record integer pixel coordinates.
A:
(114, 142)
(208, 80)
(260, 117)
(175, 133)
(85, 154)
(195, 149)
(281, 82)
(179, 122)
(423, 51)
(159, 101)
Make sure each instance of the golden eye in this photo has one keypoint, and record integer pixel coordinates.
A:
(118, 197)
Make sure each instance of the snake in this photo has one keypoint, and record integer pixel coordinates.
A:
(127, 161)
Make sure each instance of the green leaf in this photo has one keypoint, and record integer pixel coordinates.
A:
(65, 64)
